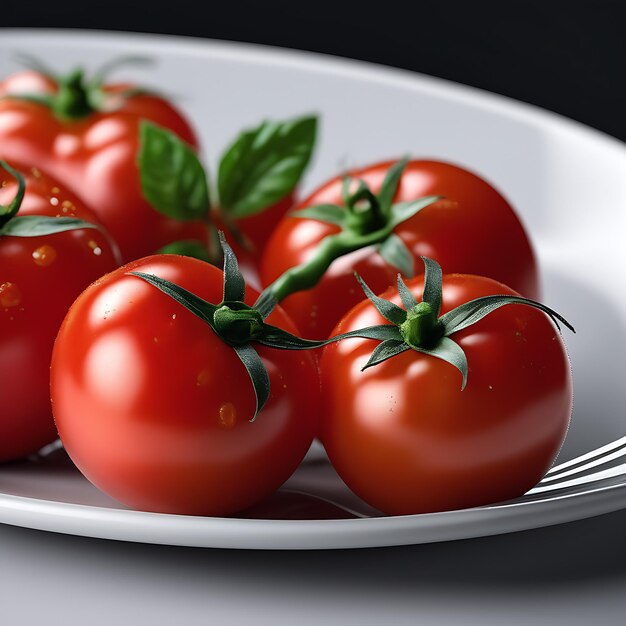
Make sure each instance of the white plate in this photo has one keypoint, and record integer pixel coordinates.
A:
(567, 182)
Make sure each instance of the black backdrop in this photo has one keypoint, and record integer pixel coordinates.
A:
(565, 56)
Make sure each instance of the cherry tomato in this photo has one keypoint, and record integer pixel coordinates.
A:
(472, 230)
(94, 155)
(155, 409)
(39, 279)
(407, 439)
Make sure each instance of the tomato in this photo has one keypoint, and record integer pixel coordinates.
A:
(94, 154)
(407, 439)
(473, 229)
(39, 279)
(154, 408)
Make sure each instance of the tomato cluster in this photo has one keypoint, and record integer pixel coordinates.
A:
(177, 388)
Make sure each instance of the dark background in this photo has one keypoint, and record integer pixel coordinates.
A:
(568, 57)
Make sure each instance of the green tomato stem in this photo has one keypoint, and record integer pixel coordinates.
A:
(73, 99)
(308, 274)
(421, 328)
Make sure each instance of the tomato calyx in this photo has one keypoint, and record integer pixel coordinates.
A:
(76, 96)
(236, 323)
(260, 168)
(367, 219)
(14, 225)
(418, 326)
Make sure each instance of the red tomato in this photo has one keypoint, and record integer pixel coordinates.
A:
(154, 408)
(95, 157)
(39, 279)
(473, 230)
(406, 439)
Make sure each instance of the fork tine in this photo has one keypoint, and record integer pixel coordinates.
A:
(592, 456)
(595, 477)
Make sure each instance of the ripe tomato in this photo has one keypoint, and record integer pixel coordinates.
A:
(94, 152)
(39, 278)
(154, 408)
(407, 439)
(472, 230)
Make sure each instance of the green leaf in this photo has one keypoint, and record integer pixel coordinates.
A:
(266, 303)
(39, 225)
(386, 350)
(187, 247)
(258, 375)
(390, 311)
(449, 351)
(407, 297)
(8, 211)
(234, 284)
(380, 332)
(275, 337)
(199, 307)
(395, 252)
(402, 211)
(390, 185)
(329, 213)
(172, 178)
(264, 164)
(473, 311)
(432, 284)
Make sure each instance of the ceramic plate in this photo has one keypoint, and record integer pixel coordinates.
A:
(566, 181)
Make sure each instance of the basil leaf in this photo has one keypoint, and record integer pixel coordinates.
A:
(395, 252)
(39, 225)
(173, 180)
(187, 247)
(264, 164)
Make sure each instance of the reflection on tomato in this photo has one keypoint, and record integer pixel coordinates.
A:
(406, 439)
(39, 279)
(472, 230)
(154, 408)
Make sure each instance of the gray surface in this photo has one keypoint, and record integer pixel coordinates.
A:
(568, 574)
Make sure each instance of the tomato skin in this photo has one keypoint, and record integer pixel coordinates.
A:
(95, 157)
(154, 408)
(472, 230)
(39, 279)
(406, 439)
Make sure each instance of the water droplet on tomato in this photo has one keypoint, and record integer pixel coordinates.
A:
(55, 190)
(54, 201)
(203, 378)
(44, 256)
(10, 295)
(227, 415)
(95, 248)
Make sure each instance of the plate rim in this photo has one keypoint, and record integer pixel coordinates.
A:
(293, 534)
